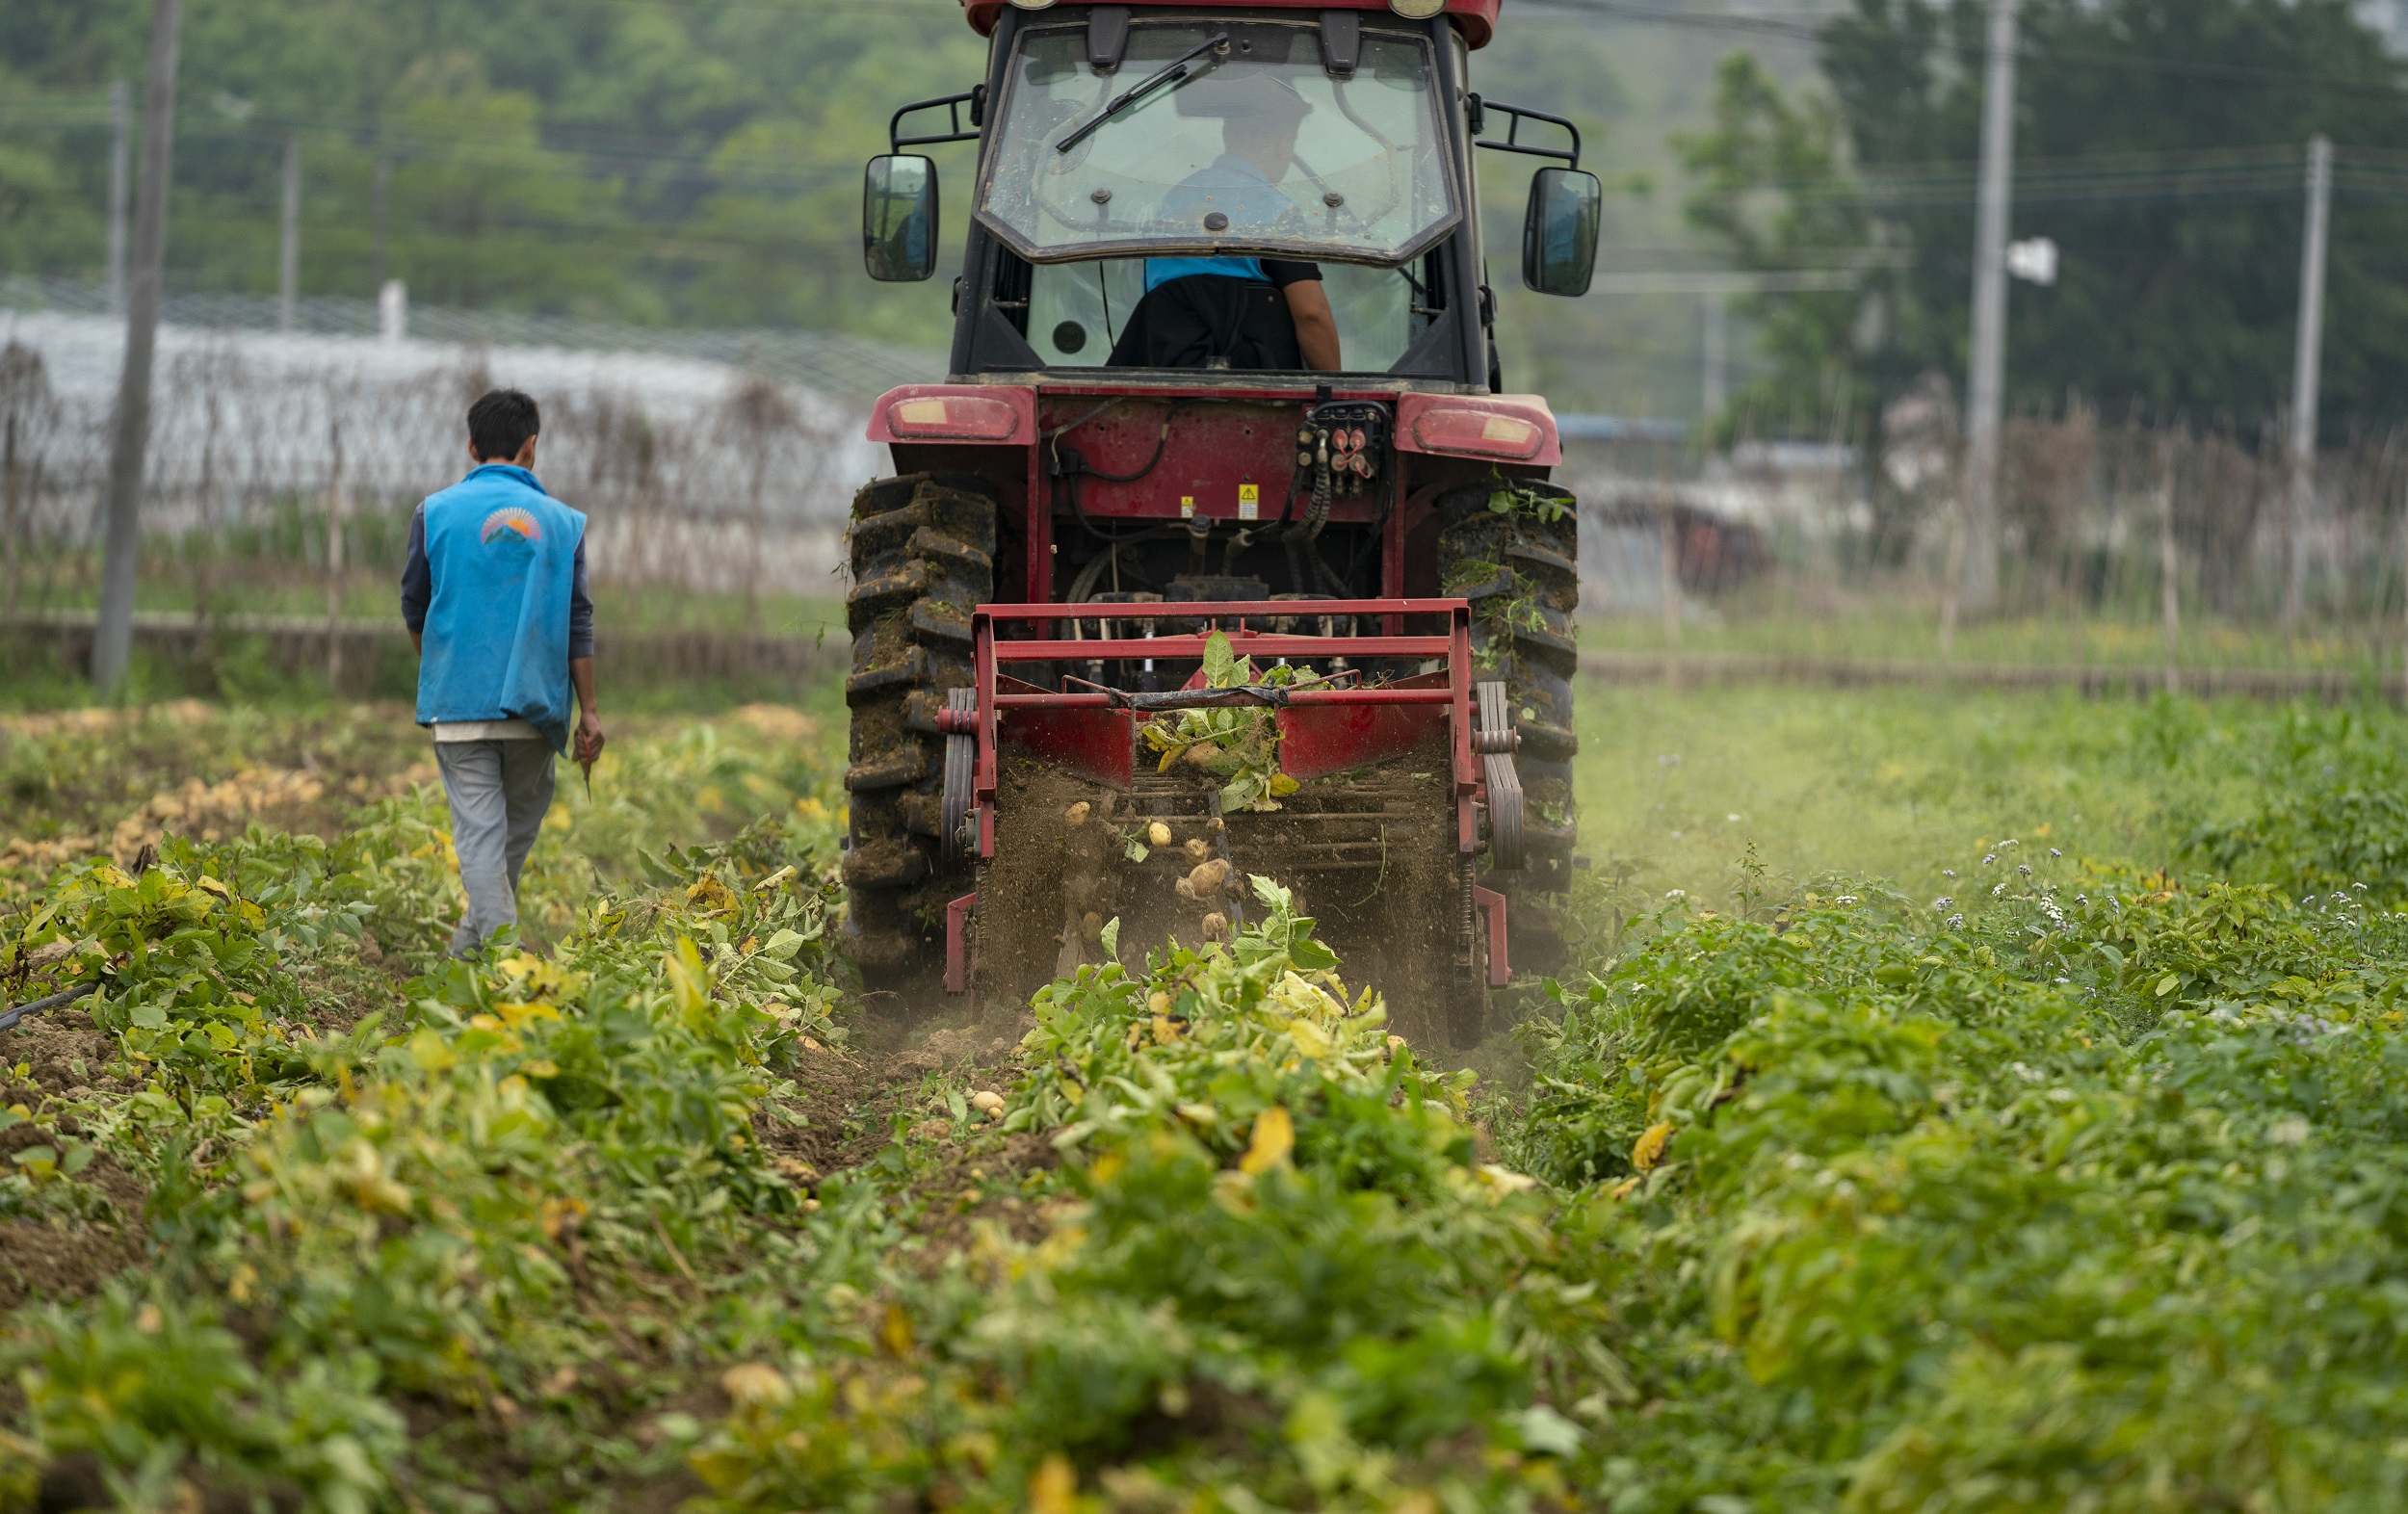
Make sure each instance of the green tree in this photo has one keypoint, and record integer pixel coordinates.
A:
(2178, 226)
(647, 159)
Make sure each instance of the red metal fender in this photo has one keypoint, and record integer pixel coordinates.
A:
(1322, 738)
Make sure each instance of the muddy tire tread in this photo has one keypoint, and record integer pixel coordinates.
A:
(923, 557)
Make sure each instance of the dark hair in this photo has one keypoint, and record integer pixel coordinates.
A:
(500, 423)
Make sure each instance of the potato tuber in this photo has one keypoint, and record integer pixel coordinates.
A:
(1216, 927)
(1076, 816)
(1208, 876)
(1158, 834)
(1196, 850)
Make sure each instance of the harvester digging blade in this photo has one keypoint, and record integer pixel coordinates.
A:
(1357, 785)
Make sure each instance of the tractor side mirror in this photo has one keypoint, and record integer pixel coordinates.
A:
(898, 218)
(1560, 234)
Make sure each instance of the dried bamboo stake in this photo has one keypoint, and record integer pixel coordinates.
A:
(2169, 593)
(10, 481)
(1668, 532)
(2403, 568)
(338, 506)
(1952, 577)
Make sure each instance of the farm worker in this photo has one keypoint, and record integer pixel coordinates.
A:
(1236, 312)
(494, 595)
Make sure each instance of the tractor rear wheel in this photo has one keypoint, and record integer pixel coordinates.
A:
(922, 555)
(1512, 548)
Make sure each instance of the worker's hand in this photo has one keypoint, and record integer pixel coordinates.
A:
(588, 738)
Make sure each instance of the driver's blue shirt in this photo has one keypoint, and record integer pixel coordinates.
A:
(1237, 190)
(1160, 271)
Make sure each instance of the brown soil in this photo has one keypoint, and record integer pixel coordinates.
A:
(1046, 876)
(63, 1052)
(975, 1186)
(72, 1259)
(1381, 883)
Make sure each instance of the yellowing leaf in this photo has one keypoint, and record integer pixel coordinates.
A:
(1054, 1487)
(753, 1383)
(894, 1331)
(1274, 1138)
(1648, 1150)
(516, 1015)
(1309, 1038)
(428, 1051)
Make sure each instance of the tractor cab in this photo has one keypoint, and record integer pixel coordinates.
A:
(1123, 148)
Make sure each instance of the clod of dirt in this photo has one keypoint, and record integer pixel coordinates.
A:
(61, 1050)
(68, 1261)
(1216, 927)
(1196, 848)
(944, 1049)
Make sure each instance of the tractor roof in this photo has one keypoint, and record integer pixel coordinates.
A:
(1476, 17)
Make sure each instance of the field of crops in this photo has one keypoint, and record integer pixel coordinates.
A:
(1962, 1104)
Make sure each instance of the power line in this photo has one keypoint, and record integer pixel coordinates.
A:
(2141, 62)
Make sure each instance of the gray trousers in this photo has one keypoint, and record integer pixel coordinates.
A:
(499, 792)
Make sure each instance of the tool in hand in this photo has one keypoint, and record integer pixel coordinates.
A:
(588, 750)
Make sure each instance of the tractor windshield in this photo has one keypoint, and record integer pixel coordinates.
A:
(1251, 147)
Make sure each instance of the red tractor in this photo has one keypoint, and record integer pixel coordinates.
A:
(1223, 551)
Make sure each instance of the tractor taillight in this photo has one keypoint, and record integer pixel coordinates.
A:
(1478, 434)
(953, 417)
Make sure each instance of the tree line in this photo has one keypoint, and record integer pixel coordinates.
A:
(2159, 143)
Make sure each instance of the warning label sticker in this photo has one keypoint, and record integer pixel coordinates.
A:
(1249, 502)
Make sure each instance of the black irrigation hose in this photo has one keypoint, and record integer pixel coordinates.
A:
(9, 1020)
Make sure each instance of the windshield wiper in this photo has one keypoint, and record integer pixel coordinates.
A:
(1170, 73)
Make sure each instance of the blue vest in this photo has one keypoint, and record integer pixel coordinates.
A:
(501, 554)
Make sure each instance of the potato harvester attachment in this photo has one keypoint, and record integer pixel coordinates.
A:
(1401, 755)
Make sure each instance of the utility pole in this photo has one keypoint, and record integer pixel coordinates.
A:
(1986, 384)
(379, 253)
(288, 243)
(1716, 341)
(338, 511)
(112, 635)
(120, 109)
(2306, 360)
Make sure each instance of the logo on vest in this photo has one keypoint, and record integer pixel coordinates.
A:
(509, 517)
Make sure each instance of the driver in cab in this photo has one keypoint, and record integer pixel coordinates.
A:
(1235, 312)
